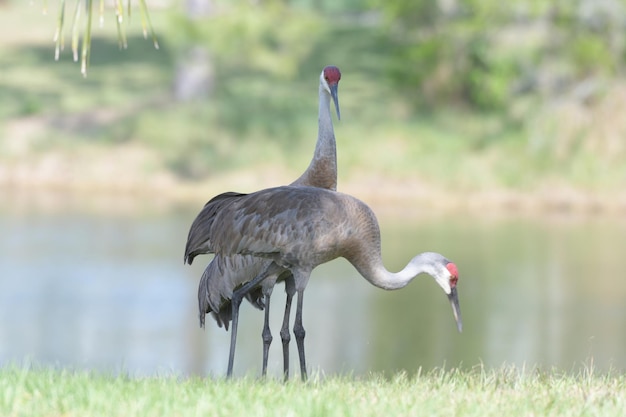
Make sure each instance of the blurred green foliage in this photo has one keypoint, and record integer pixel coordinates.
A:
(482, 53)
(512, 92)
(270, 37)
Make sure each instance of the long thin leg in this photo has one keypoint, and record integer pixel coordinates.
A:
(267, 335)
(236, 302)
(298, 331)
(290, 289)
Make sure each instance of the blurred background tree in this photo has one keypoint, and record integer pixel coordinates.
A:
(484, 53)
(534, 62)
(537, 84)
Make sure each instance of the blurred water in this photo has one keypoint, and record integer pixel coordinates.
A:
(90, 289)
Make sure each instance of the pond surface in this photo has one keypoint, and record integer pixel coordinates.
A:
(93, 289)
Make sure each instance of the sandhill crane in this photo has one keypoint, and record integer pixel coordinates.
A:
(299, 228)
(225, 273)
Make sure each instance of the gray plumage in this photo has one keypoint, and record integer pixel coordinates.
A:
(225, 273)
(222, 276)
(298, 228)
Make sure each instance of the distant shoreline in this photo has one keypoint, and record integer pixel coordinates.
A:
(404, 198)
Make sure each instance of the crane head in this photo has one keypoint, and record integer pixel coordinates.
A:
(453, 295)
(445, 274)
(329, 79)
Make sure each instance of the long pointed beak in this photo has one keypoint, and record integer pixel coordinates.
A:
(333, 94)
(454, 302)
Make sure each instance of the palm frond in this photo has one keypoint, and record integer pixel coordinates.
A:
(121, 14)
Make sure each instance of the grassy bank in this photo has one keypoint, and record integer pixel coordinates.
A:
(504, 392)
(120, 130)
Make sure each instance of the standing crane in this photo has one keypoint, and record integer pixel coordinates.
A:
(227, 272)
(298, 228)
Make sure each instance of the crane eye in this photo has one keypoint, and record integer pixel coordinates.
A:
(326, 77)
(453, 281)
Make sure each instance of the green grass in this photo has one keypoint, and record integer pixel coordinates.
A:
(507, 392)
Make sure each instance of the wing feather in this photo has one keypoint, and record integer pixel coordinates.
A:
(199, 232)
(241, 229)
(266, 222)
(220, 278)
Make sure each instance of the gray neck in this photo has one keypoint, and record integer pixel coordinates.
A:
(322, 171)
(376, 273)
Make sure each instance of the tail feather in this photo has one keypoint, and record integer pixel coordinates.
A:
(198, 241)
(220, 278)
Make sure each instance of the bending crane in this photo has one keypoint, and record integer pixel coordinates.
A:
(298, 228)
